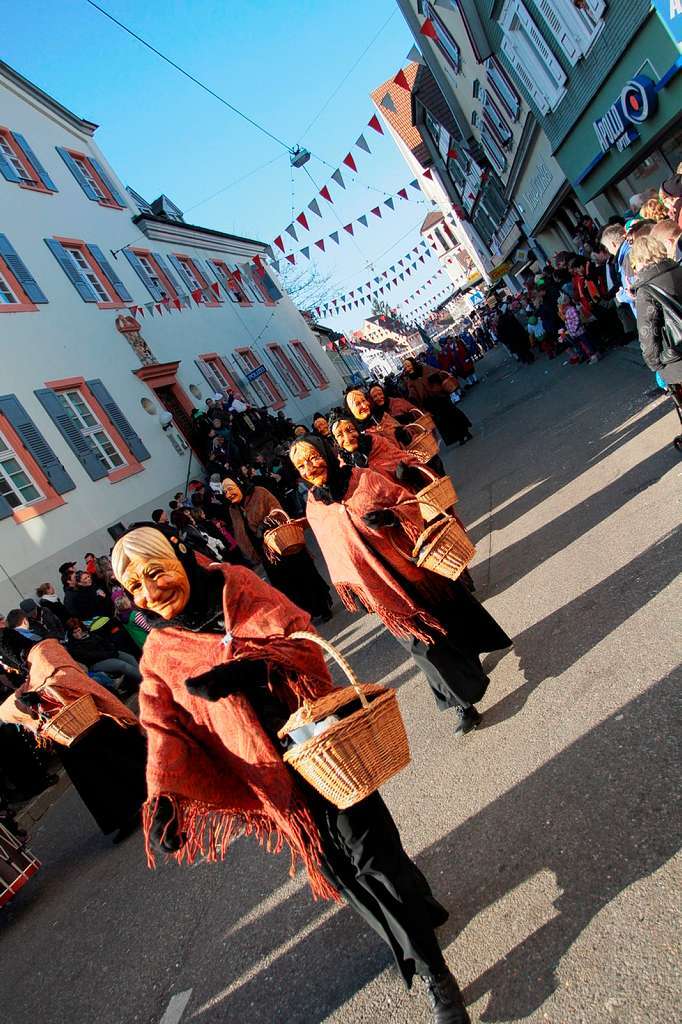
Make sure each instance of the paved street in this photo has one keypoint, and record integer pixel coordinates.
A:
(550, 834)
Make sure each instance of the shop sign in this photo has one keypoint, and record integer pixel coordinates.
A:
(670, 12)
(500, 270)
(637, 102)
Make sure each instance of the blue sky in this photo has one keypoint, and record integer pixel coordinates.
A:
(278, 61)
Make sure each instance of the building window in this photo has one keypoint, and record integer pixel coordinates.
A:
(153, 272)
(92, 178)
(309, 366)
(218, 375)
(574, 26)
(227, 279)
(476, 88)
(288, 372)
(89, 271)
(474, 118)
(446, 42)
(531, 58)
(195, 280)
(18, 163)
(497, 122)
(19, 291)
(503, 88)
(16, 486)
(7, 296)
(262, 385)
(495, 154)
(89, 426)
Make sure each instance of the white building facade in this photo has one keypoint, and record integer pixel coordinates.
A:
(87, 388)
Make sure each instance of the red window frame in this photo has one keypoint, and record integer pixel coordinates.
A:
(247, 355)
(298, 387)
(114, 301)
(132, 466)
(313, 369)
(189, 264)
(108, 200)
(51, 498)
(212, 359)
(33, 186)
(24, 305)
(229, 276)
(149, 255)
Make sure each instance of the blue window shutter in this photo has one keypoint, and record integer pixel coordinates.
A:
(182, 273)
(5, 509)
(270, 287)
(134, 261)
(35, 444)
(80, 283)
(77, 173)
(117, 197)
(7, 170)
(81, 446)
(35, 162)
(20, 271)
(109, 272)
(116, 416)
(167, 271)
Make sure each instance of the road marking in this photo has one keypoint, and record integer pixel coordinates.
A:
(176, 1007)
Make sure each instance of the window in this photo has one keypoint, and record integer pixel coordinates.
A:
(530, 56)
(18, 163)
(229, 282)
(446, 43)
(476, 88)
(77, 408)
(154, 273)
(89, 271)
(474, 118)
(92, 178)
(574, 26)
(16, 486)
(503, 87)
(309, 365)
(215, 371)
(262, 384)
(496, 121)
(495, 154)
(288, 372)
(189, 272)
(19, 291)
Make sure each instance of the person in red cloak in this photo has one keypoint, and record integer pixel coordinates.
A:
(401, 409)
(374, 420)
(366, 449)
(365, 526)
(220, 679)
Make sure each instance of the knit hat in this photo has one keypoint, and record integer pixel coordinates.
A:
(28, 605)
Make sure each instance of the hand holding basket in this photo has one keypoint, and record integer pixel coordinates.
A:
(284, 536)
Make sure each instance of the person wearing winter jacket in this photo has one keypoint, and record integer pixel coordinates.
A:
(658, 290)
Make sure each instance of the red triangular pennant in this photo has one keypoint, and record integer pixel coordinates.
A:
(429, 29)
(403, 193)
(350, 162)
(375, 123)
(324, 192)
(348, 228)
(279, 243)
(177, 303)
(452, 154)
(320, 244)
(196, 295)
(301, 219)
(291, 258)
(238, 276)
(157, 307)
(401, 80)
(377, 211)
(428, 174)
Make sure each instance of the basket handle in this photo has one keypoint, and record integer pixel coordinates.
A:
(275, 514)
(338, 658)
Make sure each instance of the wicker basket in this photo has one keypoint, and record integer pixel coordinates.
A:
(354, 757)
(423, 445)
(425, 421)
(72, 722)
(437, 497)
(286, 536)
(444, 548)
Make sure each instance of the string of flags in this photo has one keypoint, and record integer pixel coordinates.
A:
(383, 280)
(349, 304)
(211, 293)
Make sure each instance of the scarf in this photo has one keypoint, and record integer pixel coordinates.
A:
(338, 473)
(214, 761)
(364, 565)
(378, 453)
(64, 680)
(401, 407)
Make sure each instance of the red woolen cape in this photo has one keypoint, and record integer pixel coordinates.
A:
(363, 563)
(385, 456)
(214, 760)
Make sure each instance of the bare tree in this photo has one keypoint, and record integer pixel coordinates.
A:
(307, 286)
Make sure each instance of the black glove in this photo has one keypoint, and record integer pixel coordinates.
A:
(410, 476)
(382, 517)
(402, 435)
(163, 834)
(227, 679)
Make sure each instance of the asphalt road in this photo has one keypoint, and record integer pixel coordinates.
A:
(551, 834)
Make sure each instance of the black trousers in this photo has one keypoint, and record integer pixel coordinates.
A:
(364, 858)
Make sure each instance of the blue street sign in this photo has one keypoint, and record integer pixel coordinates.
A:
(255, 374)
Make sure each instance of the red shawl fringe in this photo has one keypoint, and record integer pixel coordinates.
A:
(209, 832)
(420, 625)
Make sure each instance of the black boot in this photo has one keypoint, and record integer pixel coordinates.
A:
(469, 719)
(446, 999)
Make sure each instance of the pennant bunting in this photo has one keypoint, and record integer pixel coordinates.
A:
(388, 104)
(376, 211)
(389, 203)
(291, 230)
(401, 80)
(306, 251)
(215, 287)
(320, 244)
(452, 154)
(403, 193)
(324, 192)
(348, 228)
(336, 176)
(428, 174)
(157, 307)
(302, 220)
(415, 55)
(415, 184)
(363, 220)
(375, 124)
(334, 237)
(361, 143)
(291, 258)
(279, 243)
(315, 207)
(428, 29)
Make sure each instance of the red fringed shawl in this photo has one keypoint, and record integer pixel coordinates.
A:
(385, 456)
(401, 406)
(364, 565)
(214, 761)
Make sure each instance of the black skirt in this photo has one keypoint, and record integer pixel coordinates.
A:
(298, 578)
(451, 422)
(107, 768)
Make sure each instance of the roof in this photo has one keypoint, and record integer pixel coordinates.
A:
(150, 218)
(427, 91)
(435, 217)
(26, 86)
(401, 119)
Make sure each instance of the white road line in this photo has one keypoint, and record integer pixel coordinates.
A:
(176, 1007)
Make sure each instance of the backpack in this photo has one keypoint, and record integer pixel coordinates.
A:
(671, 349)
